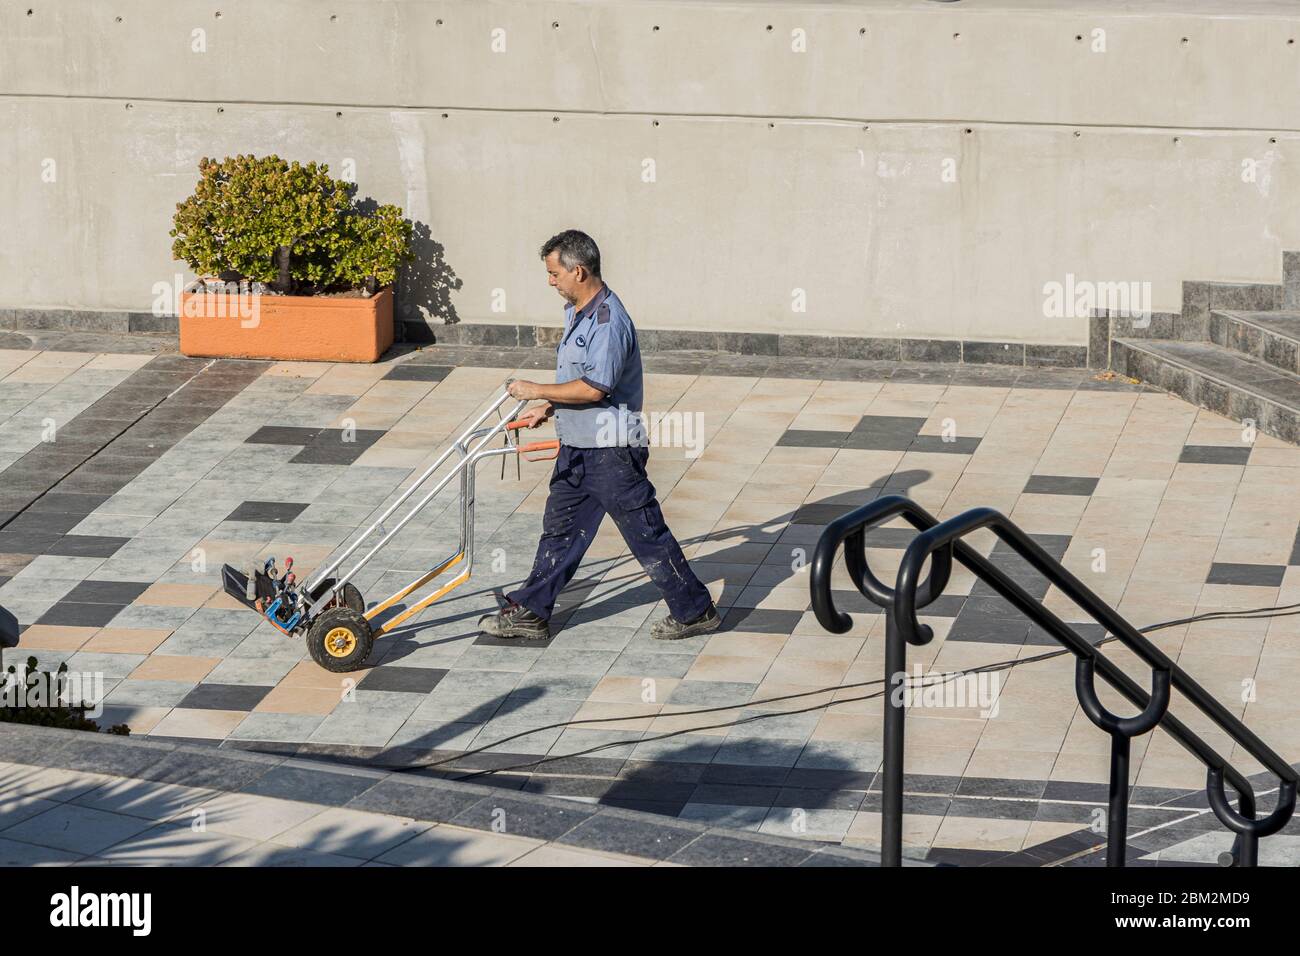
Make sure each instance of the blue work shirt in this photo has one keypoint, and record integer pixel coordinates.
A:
(600, 348)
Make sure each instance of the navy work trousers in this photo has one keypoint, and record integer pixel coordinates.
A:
(587, 484)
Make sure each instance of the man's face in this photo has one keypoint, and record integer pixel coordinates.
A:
(565, 281)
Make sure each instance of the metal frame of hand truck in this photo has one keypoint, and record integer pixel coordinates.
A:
(465, 469)
(326, 594)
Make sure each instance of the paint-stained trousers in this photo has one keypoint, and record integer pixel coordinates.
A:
(587, 484)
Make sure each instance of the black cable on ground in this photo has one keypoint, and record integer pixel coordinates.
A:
(929, 680)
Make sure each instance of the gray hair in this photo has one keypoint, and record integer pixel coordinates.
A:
(575, 249)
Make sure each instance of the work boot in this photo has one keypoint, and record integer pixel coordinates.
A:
(515, 620)
(671, 629)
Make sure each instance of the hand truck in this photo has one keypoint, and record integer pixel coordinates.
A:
(331, 611)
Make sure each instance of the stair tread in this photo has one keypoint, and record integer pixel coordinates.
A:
(1284, 324)
(1227, 366)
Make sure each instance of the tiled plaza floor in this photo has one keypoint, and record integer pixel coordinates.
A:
(1162, 509)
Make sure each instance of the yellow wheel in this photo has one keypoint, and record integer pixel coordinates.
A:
(340, 640)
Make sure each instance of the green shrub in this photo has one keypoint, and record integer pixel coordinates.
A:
(287, 225)
(16, 710)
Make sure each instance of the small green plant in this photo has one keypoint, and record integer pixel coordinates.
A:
(40, 698)
(289, 226)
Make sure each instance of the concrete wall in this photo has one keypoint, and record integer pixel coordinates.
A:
(919, 169)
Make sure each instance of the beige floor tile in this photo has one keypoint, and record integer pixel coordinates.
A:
(556, 855)
(308, 674)
(610, 716)
(176, 595)
(976, 833)
(939, 761)
(742, 644)
(52, 637)
(299, 700)
(813, 673)
(254, 817)
(1011, 764)
(749, 670)
(190, 722)
(447, 845)
(842, 726)
(173, 667)
(826, 647)
(918, 830)
(127, 640)
(1041, 831)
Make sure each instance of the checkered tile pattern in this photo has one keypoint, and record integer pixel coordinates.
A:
(1158, 506)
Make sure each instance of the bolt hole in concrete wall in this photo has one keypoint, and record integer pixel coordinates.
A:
(736, 131)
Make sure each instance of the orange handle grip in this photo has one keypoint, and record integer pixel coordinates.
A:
(551, 445)
(510, 426)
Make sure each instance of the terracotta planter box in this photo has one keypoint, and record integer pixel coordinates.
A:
(287, 327)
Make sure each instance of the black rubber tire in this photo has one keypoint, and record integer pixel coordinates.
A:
(352, 598)
(359, 635)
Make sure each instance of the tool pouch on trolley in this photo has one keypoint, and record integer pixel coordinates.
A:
(236, 584)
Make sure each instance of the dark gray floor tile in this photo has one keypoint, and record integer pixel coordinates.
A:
(44, 522)
(937, 444)
(717, 849)
(420, 680)
(1093, 633)
(120, 593)
(763, 621)
(613, 832)
(282, 435)
(311, 785)
(992, 787)
(412, 372)
(804, 438)
(1215, 454)
(70, 614)
(1060, 485)
(225, 696)
(1054, 544)
(992, 808)
(272, 511)
(336, 446)
(733, 773)
(535, 819)
(808, 799)
(423, 800)
(27, 542)
(87, 546)
(734, 794)
(990, 630)
(1251, 575)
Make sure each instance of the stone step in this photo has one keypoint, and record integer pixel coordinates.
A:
(1270, 337)
(1225, 381)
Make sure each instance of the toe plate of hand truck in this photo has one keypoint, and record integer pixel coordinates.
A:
(235, 583)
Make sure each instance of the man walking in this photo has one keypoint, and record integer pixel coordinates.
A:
(596, 403)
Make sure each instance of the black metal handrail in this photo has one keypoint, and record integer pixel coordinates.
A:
(940, 543)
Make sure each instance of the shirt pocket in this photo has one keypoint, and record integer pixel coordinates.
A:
(572, 357)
